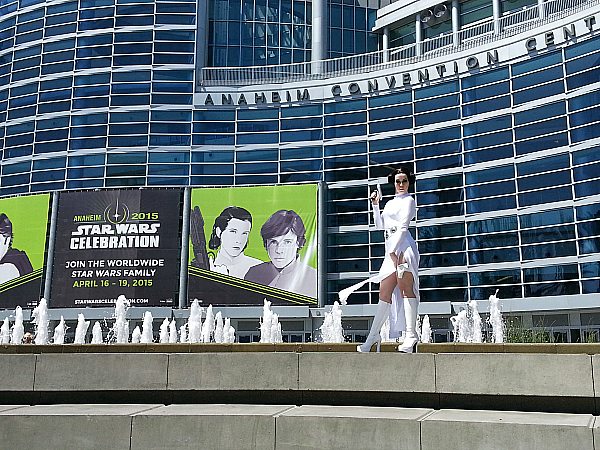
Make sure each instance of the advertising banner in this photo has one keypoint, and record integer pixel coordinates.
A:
(23, 225)
(252, 243)
(117, 242)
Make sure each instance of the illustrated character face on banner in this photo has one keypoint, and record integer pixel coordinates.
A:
(283, 235)
(234, 238)
(13, 263)
(231, 231)
(5, 235)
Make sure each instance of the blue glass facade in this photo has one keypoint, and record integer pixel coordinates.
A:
(99, 94)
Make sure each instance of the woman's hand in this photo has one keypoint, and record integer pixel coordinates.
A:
(375, 197)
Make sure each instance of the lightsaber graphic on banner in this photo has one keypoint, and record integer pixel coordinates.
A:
(252, 243)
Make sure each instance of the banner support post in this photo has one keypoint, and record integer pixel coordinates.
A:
(321, 245)
(51, 238)
(185, 239)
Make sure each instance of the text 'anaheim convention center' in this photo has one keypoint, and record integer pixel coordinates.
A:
(494, 103)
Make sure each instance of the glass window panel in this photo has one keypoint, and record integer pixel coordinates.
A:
(490, 189)
(548, 250)
(546, 164)
(445, 162)
(495, 277)
(491, 204)
(553, 217)
(542, 143)
(493, 256)
(496, 173)
(484, 78)
(587, 212)
(545, 196)
(560, 178)
(557, 233)
(538, 92)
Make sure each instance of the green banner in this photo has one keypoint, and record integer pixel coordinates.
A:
(251, 243)
(23, 225)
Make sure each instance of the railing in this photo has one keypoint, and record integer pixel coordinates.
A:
(510, 24)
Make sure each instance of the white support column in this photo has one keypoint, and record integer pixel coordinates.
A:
(497, 12)
(455, 23)
(386, 44)
(319, 34)
(542, 9)
(418, 33)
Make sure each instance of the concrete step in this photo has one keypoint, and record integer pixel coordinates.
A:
(237, 426)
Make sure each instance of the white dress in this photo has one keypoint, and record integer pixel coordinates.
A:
(395, 219)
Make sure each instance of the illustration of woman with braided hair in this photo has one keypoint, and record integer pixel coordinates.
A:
(13, 263)
(229, 238)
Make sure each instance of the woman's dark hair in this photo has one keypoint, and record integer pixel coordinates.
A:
(231, 212)
(6, 227)
(280, 223)
(406, 171)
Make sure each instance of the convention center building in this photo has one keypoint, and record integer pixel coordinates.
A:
(495, 105)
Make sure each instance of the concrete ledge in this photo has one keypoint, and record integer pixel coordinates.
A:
(227, 371)
(68, 426)
(501, 381)
(100, 371)
(367, 372)
(483, 430)
(515, 374)
(206, 426)
(590, 349)
(349, 427)
(17, 372)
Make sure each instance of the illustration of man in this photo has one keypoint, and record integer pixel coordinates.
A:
(283, 236)
(13, 263)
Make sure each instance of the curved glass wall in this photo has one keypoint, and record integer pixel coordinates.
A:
(100, 94)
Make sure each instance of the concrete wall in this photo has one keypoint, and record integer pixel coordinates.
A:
(539, 375)
(175, 427)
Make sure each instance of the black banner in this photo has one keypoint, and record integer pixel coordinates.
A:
(117, 242)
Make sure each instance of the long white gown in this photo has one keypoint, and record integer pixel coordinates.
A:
(395, 219)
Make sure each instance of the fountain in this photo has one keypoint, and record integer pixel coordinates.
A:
(136, 336)
(147, 332)
(208, 326)
(40, 319)
(81, 329)
(194, 328)
(218, 328)
(460, 326)
(97, 333)
(163, 336)
(426, 330)
(495, 320)
(18, 329)
(467, 324)
(270, 329)
(183, 335)
(5, 332)
(120, 329)
(59, 332)
(331, 330)
(172, 332)
(228, 332)
(477, 333)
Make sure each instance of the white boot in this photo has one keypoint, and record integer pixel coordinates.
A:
(383, 310)
(411, 307)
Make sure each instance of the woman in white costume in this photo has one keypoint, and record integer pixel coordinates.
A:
(398, 277)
